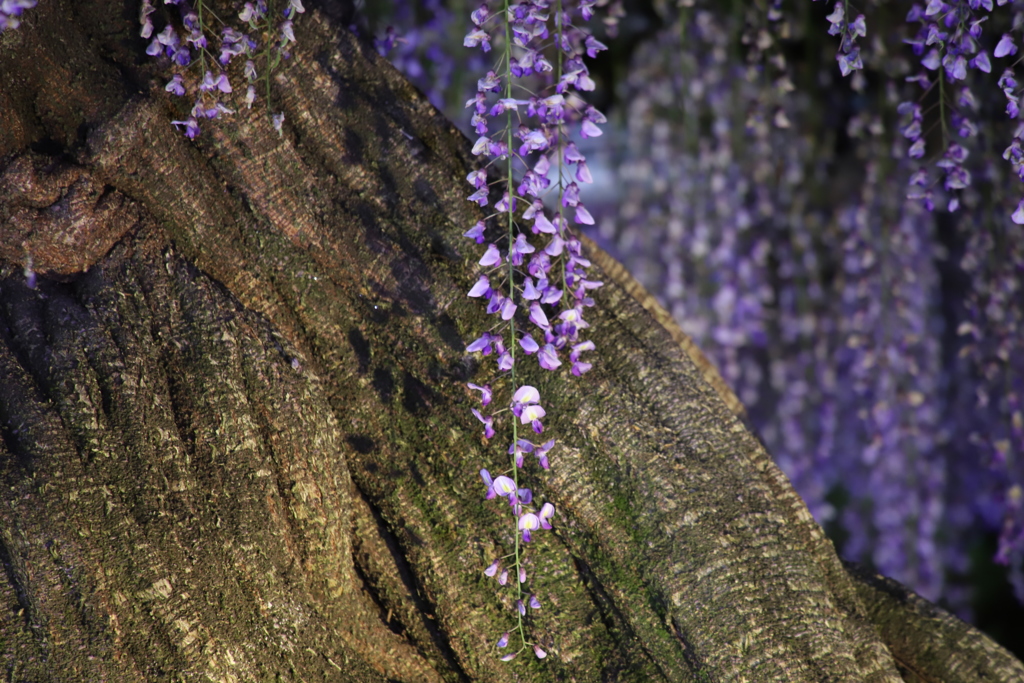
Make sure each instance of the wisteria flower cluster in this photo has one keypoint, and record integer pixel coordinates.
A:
(198, 72)
(953, 48)
(10, 12)
(848, 32)
(538, 293)
(947, 45)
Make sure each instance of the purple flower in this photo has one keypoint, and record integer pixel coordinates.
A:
(476, 233)
(481, 288)
(580, 348)
(483, 344)
(480, 196)
(503, 641)
(249, 13)
(583, 216)
(175, 86)
(227, 50)
(589, 130)
(547, 511)
(191, 126)
(222, 83)
(519, 249)
(579, 367)
(494, 302)
(491, 257)
(593, 46)
(532, 414)
(488, 423)
(517, 452)
(479, 123)
(571, 195)
(534, 602)
(530, 292)
(555, 246)
(508, 309)
(1005, 47)
(537, 316)
(521, 607)
(528, 522)
(525, 406)
(539, 266)
(850, 61)
(858, 27)
(551, 295)
(541, 452)
(542, 224)
(492, 568)
(548, 357)
(480, 37)
(477, 178)
(533, 185)
(529, 345)
(144, 11)
(503, 486)
(533, 141)
(503, 577)
(526, 394)
(836, 20)
(503, 204)
(583, 173)
(479, 15)
(537, 650)
(955, 66)
(168, 37)
(522, 497)
(981, 62)
(287, 34)
(489, 83)
(481, 145)
(485, 392)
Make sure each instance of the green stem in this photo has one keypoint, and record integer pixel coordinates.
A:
(511, 292)
(558, 150)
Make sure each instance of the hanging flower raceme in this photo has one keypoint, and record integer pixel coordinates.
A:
(188, 47)
(538, 289)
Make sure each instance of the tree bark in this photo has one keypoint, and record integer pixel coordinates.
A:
(236, 439)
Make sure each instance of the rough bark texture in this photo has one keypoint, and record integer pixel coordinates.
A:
(235, 433)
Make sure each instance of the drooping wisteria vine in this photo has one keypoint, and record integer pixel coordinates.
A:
(538, 293)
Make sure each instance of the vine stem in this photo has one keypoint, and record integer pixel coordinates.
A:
(511, 292)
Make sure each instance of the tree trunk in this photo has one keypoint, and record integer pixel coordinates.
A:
(236, 435)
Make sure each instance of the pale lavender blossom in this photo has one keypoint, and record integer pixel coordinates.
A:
(485, 392)
(487, 421)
